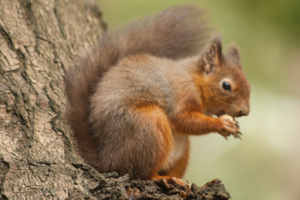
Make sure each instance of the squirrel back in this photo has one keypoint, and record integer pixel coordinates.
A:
(175, 33)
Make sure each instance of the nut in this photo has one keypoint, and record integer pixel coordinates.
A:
(225, 116)
(237, 134)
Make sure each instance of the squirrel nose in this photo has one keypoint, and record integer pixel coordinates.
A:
(244, 112)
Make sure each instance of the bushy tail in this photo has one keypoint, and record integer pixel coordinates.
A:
(175, 33)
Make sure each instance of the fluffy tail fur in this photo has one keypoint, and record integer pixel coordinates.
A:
(175, 33)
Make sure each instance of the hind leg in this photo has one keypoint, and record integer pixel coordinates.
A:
(138, 144)
(180, 166)
(162, 132)
(154, 117)
(172, 176)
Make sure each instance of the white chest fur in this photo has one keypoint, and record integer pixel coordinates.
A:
(179, 145)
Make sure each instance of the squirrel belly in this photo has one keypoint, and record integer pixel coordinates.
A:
(144, 89)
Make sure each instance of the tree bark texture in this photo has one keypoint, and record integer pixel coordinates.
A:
(39, 41)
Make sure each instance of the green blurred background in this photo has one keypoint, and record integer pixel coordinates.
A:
(266, 163)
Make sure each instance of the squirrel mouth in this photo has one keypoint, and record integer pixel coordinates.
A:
(219, 113)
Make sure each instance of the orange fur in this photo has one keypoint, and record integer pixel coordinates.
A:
(194, 123)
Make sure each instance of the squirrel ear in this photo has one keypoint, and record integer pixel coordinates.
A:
(217, 41)
(234, 55)
(213, 56)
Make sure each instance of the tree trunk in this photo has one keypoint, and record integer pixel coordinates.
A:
(39, 41)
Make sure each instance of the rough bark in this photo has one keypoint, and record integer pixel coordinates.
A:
(39, 41)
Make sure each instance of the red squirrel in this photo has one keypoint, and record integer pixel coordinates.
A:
(145, 88)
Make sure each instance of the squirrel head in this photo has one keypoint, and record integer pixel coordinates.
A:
(223, 86)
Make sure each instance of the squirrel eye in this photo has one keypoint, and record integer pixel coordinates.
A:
(226, 86)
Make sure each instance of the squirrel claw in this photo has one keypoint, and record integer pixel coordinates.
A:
(173, 182)
(233, 130)
(237, 135)
(210, 183)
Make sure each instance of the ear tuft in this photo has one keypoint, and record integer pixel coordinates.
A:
(233, 55)
(217, 40)
(213, 55)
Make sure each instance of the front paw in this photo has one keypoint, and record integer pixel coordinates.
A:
(229, 127)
